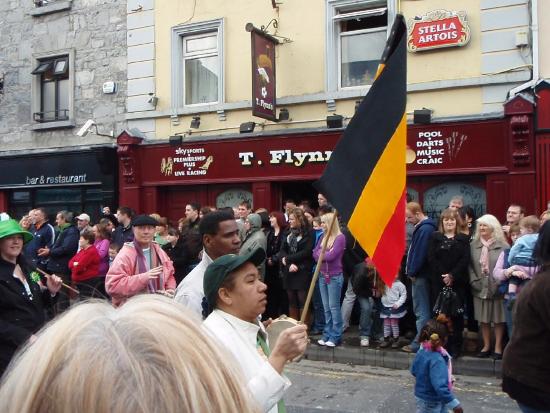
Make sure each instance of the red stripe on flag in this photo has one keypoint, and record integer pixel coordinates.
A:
(390, 249)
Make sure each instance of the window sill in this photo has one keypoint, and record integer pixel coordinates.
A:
(52, 8)
(61, 124)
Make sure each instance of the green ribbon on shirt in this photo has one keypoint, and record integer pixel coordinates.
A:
(265, 348)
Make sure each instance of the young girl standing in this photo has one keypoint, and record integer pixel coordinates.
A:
(433, 371)
(393, 308)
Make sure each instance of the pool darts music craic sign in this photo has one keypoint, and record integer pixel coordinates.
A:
(437, 29)
(263, 76)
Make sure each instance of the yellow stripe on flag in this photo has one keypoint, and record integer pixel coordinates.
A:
(382, 192)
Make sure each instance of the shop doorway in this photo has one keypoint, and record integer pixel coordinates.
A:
(299, 191)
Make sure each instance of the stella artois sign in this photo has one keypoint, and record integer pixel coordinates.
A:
(436, 29)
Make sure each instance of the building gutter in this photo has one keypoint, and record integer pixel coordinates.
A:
(535, 51)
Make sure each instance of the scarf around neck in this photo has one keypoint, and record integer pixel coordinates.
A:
(153, 285)
(484, 257)
(294, 237)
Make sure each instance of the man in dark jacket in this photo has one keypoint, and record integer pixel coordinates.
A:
(417, 268)
(43, 236)
(62, 251)
(123, 233)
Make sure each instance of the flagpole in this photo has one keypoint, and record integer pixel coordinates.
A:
(318, 268)
(68, 287)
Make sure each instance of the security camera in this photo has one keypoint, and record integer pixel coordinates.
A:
(152, 99)
(86, 128)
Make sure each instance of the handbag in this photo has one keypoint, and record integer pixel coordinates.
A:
(448, 303)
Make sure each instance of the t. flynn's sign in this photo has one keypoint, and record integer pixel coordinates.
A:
(437, 29)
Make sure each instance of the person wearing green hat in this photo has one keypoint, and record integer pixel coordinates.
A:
(23, 296)
(236, 297)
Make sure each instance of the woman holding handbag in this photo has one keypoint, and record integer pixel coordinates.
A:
(449, 257)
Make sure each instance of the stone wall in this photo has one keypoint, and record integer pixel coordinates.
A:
(96, 31)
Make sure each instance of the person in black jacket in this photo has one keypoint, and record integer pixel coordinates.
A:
(449, 257)
(22, 298)
(296, 261)
(277, 300)
(176, 251)
(62, 251)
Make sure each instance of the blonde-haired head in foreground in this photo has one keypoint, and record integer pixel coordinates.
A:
(150, 355)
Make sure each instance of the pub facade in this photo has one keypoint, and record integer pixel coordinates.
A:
(250, 104)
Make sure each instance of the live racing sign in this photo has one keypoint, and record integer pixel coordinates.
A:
(437, 29)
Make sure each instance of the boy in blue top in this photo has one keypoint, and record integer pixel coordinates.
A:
(521, 252)
(433, 371)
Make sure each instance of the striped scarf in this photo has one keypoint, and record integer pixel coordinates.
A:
(154, 284)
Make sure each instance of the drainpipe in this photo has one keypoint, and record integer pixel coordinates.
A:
(534, 49)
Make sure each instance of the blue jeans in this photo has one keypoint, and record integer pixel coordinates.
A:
(426, 406)
(330, 294)
(365, 321)
(527, 409)
(508, 318)
(318, 311)
(421, 306)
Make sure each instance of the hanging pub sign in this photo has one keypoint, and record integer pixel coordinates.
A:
(437, 29)
(263, 74)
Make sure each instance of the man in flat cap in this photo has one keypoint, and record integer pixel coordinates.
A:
(236, 296)
(141, 266)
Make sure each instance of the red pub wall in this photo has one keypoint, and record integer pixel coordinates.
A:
(165, 177)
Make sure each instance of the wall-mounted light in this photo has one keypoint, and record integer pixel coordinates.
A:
(195, 122)
(357, 104)
(422, 116)
(335, 121)
(284, 115)
(175, 140)
(247, 127)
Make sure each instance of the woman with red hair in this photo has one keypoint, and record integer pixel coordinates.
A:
(277, 302)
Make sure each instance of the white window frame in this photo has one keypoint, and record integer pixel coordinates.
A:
(36, 90)
(333, 18)
(195, 30)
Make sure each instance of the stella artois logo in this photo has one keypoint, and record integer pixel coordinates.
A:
(436, 29)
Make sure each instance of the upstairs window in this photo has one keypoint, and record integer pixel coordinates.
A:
(201, 68)
(197, 64)
(356, 36)
(53, 90)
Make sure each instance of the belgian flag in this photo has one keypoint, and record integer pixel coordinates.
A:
(365, 178)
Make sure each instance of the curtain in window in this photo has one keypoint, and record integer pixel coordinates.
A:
(201, 80)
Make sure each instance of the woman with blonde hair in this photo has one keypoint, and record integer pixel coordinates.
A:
(488, 243)
(148, 356)
(331, 278)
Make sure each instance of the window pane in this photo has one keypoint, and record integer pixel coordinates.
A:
(437, 198)
(20, 197)
(63, 98)
(201, 43)
(361, 54)
(201, 80)
(60, 67)
(48, 100)
(58, 195)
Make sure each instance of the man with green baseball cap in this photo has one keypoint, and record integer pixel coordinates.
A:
(237, 297)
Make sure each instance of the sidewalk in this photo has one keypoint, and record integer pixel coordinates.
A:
(350, 352)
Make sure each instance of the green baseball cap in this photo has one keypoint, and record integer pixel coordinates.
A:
(218, 271)
(11, 227)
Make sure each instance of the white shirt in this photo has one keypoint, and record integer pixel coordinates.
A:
(264, 383)
(190, 290)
